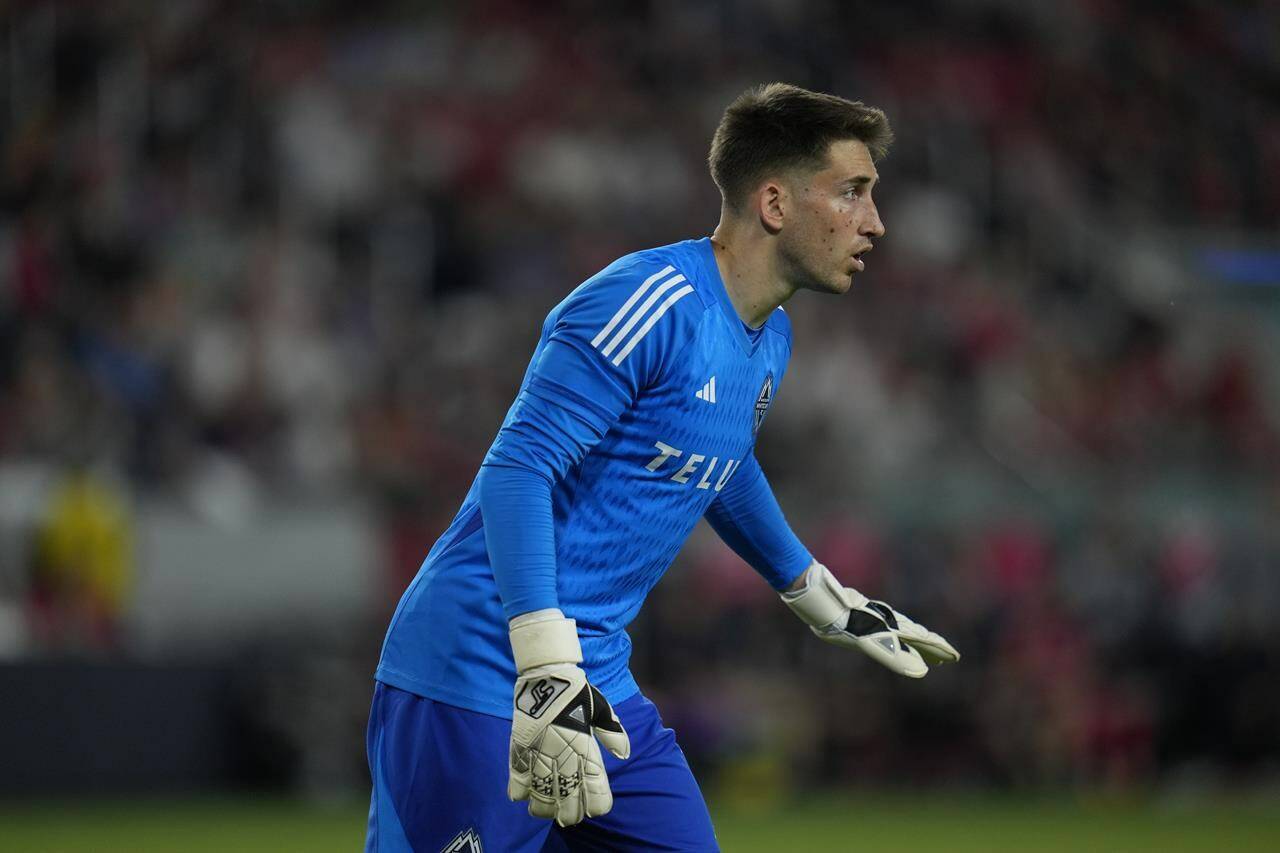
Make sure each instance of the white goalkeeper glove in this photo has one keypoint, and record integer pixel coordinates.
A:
(555, 761)
(846, 617)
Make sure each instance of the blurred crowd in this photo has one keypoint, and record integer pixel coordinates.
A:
(279, 251)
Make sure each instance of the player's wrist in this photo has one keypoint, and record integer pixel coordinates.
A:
(544, 615)
(821, 600)
(801, 580)
(544, 638)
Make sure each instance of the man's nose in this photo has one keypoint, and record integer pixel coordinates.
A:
(872, 227)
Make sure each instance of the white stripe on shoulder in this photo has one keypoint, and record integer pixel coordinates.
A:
(626, 306)
(640, 312)
(653, 318)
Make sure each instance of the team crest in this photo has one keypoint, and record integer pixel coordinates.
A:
(763, 399)
(466, 842)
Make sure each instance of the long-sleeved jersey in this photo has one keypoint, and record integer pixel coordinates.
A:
(637, 416)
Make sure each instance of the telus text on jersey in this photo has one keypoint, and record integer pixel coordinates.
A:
(692, 465)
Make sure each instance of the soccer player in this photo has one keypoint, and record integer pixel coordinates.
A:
(506, 659)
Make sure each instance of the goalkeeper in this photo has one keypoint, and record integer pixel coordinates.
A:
(504, 670)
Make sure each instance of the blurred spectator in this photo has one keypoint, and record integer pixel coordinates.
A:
(82, 568)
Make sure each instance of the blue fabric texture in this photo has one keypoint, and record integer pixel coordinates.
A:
(520, 535)
(440, 772)
(747, 517)
(638, 409)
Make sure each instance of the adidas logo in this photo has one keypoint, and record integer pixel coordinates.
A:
(708, 391)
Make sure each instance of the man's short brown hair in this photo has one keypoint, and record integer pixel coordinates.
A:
(776, 127)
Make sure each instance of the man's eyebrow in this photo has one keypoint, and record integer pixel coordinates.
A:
(859, 180)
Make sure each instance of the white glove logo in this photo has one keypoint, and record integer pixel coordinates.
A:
(537, 695)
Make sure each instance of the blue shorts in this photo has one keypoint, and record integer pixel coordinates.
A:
(440, 782)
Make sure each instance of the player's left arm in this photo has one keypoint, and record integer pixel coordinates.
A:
(746, 515)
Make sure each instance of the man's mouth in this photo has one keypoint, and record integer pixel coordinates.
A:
(858, 263)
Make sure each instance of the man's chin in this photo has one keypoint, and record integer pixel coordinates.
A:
(833, 284)
(839, 284)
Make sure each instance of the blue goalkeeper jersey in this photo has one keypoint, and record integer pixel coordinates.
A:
(662, 389)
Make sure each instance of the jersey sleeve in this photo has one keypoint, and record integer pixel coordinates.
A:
(747, 517)
(612, 337)
(609, 340)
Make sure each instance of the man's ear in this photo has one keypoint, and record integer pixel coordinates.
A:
(771, 204)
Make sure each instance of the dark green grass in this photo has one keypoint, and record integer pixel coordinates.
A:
(930, 822)
(934, 822)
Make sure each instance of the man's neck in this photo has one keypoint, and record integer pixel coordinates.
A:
(748, 268)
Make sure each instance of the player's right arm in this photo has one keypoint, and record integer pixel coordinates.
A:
(610, 339)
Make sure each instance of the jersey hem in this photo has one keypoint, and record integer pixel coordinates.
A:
(408, 683)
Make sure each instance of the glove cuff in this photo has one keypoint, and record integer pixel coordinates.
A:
(544, 637)
(823, 600)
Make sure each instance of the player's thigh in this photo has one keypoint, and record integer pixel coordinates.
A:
(657, 804)
(440, 777)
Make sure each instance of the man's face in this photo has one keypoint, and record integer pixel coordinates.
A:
(833, 220)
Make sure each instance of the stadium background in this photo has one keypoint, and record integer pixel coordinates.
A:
(269, 275)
